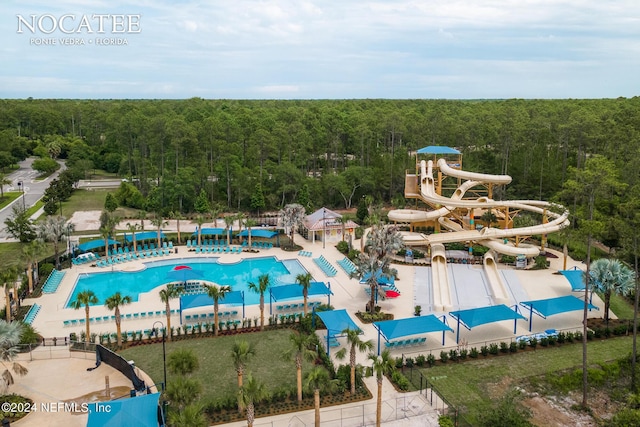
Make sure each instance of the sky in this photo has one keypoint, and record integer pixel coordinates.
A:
(320, 49)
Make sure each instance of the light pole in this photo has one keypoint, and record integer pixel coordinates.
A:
(324, 228)
(20, 186)
(154, 331)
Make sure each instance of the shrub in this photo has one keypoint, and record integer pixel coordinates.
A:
(504, 348)
(453, 355)
(533, 342)
(444, 356)
(400, 380)
(463, 353)
(343, 247)
(522, 344)
(473, 353)
(544, 341)
(445, 421)
(513, 347)
(409, 362)
(493, 348)
(420, 360)
(484, 350)
(561, 337)
(431, 359)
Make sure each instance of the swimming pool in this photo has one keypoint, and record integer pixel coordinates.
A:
(237, 275)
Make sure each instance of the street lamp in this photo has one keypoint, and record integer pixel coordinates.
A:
(20, 186)
(154, 331)
(324, 228)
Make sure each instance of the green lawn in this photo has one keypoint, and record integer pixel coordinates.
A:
(467, 385)
(84, 200)
(621, 307)
(216, 372)
(9, 196)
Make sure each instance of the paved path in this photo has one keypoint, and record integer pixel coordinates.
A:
(24, 179)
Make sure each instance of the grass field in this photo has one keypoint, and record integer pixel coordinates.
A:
(621, 307)
(468, 385)
(84, 200)
(216, 372)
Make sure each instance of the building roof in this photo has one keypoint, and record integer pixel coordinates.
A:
(324, 219)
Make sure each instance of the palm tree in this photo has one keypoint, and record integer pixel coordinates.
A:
(610, 276)
(249, 223)
(10, 333)
(229, 220)
(107, 229)
(171, 291)
(8, 276)
(182, 391)
(217, 293)
(177, 215)
(304, 280)
(114, 302)
(142, 215)
(200, 220)
(31, 252)
(356, 345)
(159, 222)
(190, 416)
(301, 349)
(250, 394)
(55, 230)
(317, 380)
(382, 365)
(134, 228)
(183, 362)
(240, 353)
(3, 181)
(292, 216)
(264, 282)
(85, 298)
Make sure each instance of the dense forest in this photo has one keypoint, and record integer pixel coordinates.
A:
(260, 155)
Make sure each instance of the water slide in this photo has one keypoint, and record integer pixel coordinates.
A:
(440, 279)
(490, 237)
(496, 284)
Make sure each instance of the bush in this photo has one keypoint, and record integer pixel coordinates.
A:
(513, 347)
(343, 247)
(533, 342)
(493, 349)
(420, 360)
(484, 350)
(504, 348)
(400, 380)
(431, 359)
(473, 353)
(453, 355)
(463, 353)
(445, 421)
(444, 356)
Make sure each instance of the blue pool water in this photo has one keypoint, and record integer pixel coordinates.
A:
(238, 276)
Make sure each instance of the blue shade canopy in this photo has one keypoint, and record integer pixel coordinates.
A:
(184, 274)
(93, 244)
(144, 235)
(479, 316)
(437, 149)
(382, 280)
(140, 411)
(551, 306)
(267, 234)
(279, 293)
(336, 321)
(575, 277)
(210, 232)
(392, 329)
(204, 300)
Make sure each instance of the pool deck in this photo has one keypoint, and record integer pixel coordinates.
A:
(347, 294)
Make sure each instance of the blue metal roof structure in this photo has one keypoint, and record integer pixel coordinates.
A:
(284, 292)
(336, 321)
(140, 411)
(144, 235)
(267, 234)
(93, 244)
(575, 276)
(203, 300)
(210, 232)
(551, 306)
(480, 316)
(437, 149)
(392, 329)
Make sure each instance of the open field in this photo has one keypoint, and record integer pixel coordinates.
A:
(216, 372)
(471, 385)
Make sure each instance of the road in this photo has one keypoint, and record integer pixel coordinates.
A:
(24, 178)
